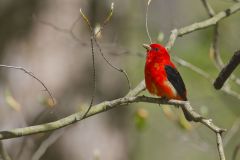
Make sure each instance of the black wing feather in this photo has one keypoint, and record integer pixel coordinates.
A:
(176, 80)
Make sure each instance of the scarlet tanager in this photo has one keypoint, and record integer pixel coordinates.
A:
(161, 76)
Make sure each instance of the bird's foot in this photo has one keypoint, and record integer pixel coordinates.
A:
(165, 99)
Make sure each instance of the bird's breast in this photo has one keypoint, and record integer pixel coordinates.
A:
(157, 82)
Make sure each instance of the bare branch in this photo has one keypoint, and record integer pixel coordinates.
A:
(225, 89)
(46, 144)
(98, 45)
(3, 153)
(208, 8)
(102, 107)
(209, 22)
(94, 80)
(62, 30)
(214, 49)
(220, 146)
(227, 70)
(231, 132)
(192, 67)
(33, 76)
(108, 18)
(235, 152)
(201, 25)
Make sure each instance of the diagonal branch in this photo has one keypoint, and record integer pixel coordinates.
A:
(235, 152)
(3, 153)
(208, 8)
(102, 107)
(201, 25)
(33, 76)
(227, 70)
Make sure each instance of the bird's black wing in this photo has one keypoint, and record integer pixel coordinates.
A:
(176, 80)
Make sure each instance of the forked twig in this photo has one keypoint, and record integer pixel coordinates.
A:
(108, 18)
(93, 37)
(94, 80)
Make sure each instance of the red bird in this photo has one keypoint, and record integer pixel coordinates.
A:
(161, 76)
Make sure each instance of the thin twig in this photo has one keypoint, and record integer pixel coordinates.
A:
(107, 19)
(225, 89)
(208, 8)
(231, 132)
(214, 49)
(62, 30)
(93, 37)
(192, 67)
(98, 45)
(47, 143)
(33, 122)
(33, 76)
(94, 80)
(235, 152)
(146, 22)
(113, 66)
(3, 152)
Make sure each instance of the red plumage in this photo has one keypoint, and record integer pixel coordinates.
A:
(161, 76)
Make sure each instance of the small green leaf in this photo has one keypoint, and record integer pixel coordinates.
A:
(141, 116)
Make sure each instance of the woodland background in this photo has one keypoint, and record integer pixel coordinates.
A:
(29, 39)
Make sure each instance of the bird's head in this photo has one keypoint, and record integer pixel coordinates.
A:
(156, 50)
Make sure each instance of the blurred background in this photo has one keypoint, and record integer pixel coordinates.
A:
(36, 35)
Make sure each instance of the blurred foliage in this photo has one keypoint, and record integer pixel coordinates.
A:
(141, 116)
(11, 101)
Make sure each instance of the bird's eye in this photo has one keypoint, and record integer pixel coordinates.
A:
(156, 49)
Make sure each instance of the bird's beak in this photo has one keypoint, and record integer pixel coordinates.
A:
(148, 48)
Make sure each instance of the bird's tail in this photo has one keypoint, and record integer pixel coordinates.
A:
(186, 114)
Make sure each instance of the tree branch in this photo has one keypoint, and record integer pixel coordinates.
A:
(102, 107)
(214, 49)
(235, 152)
(208, 8)
(45, 144)
(140, 87)
(201, 25)
(33, 76)
(220, 146)
(132, 97)
(3, 152)
(227, 70)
